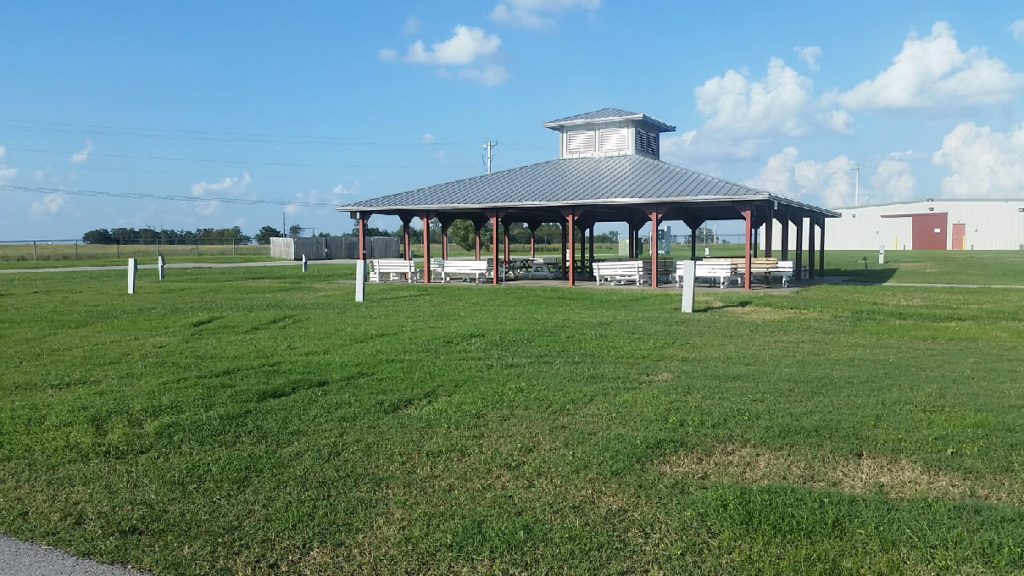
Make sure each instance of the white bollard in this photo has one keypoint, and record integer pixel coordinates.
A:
(360, 280)
(305, 264)
(881, 254)
(133, 268)
(160, 266)
(689, 277)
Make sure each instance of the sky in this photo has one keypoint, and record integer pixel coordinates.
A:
(185, 115)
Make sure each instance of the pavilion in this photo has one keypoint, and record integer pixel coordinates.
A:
(608, 170)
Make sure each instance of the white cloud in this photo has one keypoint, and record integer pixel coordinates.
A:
(466, 45)
(893, 181)
(468, 50)
(50, 204)
(340, 190)
(810, 55)
(440, 154)
(825, 183)
(83, 154)
(831, 182)
(6, 173)
(230, 185)
(1017, 29)
(933, 72)
(777, 174)
(427, 138)
(537, 13)
(412, 25)
(744, 114)
(982, 163)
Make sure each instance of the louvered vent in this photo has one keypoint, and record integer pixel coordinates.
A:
(579, 142)
(646, 142)
(611, 140)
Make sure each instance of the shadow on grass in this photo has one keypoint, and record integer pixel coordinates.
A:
(399, 297)
(872, 276)
(741, 304)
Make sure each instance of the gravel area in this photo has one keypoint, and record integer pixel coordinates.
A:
(19, 558)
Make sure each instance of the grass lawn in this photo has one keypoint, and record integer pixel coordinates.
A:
(258, 421)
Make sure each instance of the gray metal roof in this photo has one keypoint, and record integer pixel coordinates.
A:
(617, 180)
(607, 115)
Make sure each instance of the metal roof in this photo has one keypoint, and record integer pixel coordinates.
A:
(607, 115)
(606, 181)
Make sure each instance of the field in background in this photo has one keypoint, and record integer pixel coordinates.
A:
(258, 421)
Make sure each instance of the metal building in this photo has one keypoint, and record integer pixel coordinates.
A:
(933, 224)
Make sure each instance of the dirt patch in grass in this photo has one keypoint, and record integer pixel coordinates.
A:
(895, 477)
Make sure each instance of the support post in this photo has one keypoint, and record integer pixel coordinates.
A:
(655, 219)
(565, 273)
(361, 255)
(406, 244)
(571, 220)
(361, 280)
(769, 229)
(689, 273)
(821, 249)
(305, 263)
(160, 266)
(425, 218)
(798, 265)
(496, 266)
(133, 269)
(748, 218)
(810, 248)
(784, 222)
(504, 229)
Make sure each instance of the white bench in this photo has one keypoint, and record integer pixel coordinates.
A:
(477, 269)
(722, 270)
(783, 269)
(619, 271)
(392, 269)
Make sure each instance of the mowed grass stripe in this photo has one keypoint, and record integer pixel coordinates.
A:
(258, 421)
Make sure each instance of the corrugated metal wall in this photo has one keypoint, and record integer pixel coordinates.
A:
(988, 225)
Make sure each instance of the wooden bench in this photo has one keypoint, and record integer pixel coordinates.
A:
(385, 269)
(619, 271)
(477, 269)
(758, 266)
(708, 269)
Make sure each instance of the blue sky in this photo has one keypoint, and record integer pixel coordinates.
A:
(189, 115)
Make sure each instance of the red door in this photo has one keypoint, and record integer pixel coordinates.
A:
(929, 231)
(959, 231)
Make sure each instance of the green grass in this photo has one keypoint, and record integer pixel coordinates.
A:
(46, 255)
(258, 421)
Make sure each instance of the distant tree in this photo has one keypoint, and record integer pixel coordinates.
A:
(295, 230)
(266, 233)
(98, 236)
(461, 232)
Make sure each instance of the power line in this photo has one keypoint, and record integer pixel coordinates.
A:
(167, 197)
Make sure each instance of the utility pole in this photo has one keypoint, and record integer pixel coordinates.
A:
(856, 189)
(489, 146)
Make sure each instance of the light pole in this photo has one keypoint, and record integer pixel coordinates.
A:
(856, 189)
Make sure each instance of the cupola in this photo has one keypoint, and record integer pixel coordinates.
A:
(609, 132)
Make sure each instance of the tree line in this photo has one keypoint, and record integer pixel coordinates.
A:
(151, 236)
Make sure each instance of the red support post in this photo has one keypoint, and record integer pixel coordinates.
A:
(426, 248)
(362, 237)
(504, 227)
(405, 238)
(494, 249)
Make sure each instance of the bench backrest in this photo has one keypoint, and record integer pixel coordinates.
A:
(784, 266)
(463, 266)
(392, 265)
(618, 267)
